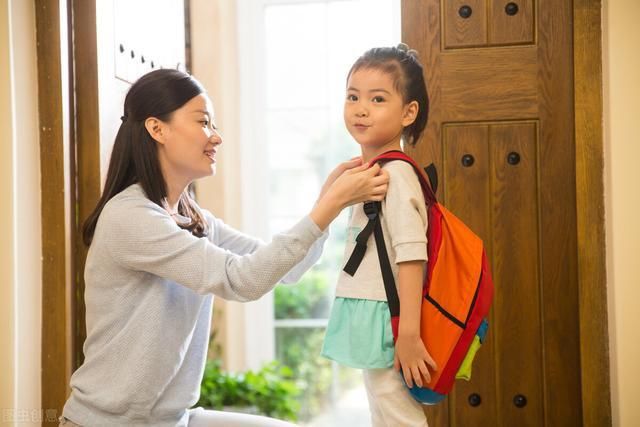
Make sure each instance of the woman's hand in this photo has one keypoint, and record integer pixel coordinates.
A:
(346, 185)
(339, 170)
(413, 358)
(359, 184)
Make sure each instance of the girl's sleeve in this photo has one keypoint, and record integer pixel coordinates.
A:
(141, 236)
(240, 243)
(405, 213)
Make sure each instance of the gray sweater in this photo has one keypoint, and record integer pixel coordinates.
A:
(149, 293)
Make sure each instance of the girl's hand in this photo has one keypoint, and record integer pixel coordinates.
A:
(413, 358)
(347, 186)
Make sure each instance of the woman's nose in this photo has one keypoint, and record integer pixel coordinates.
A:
(216, 138)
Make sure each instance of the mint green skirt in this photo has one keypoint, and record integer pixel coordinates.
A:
(359, 334)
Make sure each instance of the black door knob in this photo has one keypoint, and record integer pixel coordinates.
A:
(475, 399)
(467, 160)
(465, 11)
(511, 9)
(520, 401)
(513, 158)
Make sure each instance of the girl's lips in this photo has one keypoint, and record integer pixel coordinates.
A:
(211, 155)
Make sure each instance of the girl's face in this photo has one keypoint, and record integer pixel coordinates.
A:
(374, 111)
(188, 142)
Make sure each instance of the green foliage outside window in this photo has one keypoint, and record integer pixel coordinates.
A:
(300, 348)
(271, 391)
(307, 299)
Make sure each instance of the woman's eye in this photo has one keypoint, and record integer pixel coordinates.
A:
(352, 97)
(378, 99)
(204, 122)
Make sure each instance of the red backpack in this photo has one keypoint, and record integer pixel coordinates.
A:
(457, 290)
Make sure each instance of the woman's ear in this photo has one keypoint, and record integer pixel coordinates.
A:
(156, 129)
(410, 113)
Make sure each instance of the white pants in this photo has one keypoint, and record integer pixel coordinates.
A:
(207, 418)
(390, 403)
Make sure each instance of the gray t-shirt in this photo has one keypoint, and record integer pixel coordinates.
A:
(149, 293)
(404, 225)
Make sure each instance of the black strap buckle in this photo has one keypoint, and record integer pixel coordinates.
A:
(372, 209)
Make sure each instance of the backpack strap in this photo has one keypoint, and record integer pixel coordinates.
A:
(428, 182)
(387, 274)
(372, 210)
(432, 174)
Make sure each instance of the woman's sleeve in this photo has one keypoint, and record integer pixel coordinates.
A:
(294, 275)
(239, 243)
(141, 236)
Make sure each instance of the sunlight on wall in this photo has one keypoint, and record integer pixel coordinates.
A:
(20, 247)
(621, 68)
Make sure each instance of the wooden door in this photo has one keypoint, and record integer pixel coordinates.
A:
(500, 77)
(115, 43)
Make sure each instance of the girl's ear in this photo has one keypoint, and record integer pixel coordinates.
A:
(410, 113)
(156, 129)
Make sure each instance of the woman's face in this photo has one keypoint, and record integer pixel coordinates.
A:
(189, 143)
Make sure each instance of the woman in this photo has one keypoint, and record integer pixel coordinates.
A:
(156, 259)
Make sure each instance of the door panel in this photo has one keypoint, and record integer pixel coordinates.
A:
(515, 241)
(501, 134)
(466, 166)
(115, 42)
(465, 23)
(510, 22)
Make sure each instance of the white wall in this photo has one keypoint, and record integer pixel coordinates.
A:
(244, 330)
(214, 64)
(621, 71)
(20, 248)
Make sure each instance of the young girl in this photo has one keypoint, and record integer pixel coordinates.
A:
(156, 259)
(386, 103)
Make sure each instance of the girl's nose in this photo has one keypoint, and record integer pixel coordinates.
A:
(362, 113)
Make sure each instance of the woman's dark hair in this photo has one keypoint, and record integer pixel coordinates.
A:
(402, 64)
(135, 153)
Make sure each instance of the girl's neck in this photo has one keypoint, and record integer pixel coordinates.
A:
(369, 153)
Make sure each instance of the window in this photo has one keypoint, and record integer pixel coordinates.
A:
(295, 56)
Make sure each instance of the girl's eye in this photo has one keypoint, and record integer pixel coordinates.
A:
(204, 122)
(351, 97)
(378, 99)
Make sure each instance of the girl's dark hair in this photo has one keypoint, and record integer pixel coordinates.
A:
(135, 153)
(403, 65)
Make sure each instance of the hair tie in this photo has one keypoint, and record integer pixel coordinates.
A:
(402, 47)
(123, 118)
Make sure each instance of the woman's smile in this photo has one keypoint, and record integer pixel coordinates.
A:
(211, 154)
